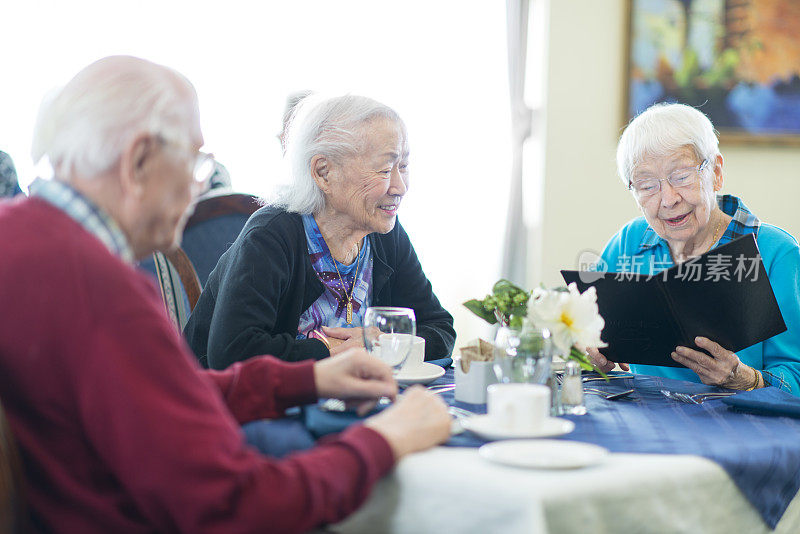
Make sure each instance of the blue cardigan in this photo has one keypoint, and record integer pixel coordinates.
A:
(637, 248)
(253, 299)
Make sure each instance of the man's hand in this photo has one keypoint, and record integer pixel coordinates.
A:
(418, 421)
(722, 368)
(355, 377)
(341, 339)
(603, 363)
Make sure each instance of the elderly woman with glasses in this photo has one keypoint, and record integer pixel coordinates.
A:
(299, 278)
(669, 158)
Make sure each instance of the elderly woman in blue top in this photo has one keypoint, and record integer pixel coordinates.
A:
(298, 280)
(669, 158)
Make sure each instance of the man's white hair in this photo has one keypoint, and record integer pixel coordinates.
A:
(661, 130)
(331, 127)
(83, 128)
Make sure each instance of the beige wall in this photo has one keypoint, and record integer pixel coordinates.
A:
(584, 201)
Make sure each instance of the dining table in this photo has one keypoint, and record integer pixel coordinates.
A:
(715, 466)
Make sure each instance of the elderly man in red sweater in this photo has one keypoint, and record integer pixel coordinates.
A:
(119, 429)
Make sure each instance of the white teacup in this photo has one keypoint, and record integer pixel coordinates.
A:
(416, 356)
(518, 407)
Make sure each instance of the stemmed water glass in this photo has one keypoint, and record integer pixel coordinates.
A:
(389, 334)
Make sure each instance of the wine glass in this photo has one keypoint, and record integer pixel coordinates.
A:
(389, 334)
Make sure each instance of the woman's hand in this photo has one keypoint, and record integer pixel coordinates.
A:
(342, 339)
(722, 368)
(603, 363)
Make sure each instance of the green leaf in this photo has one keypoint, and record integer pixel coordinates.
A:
(521, 310)
(515, 321)
(585, 362)
(476, 307)
(503, 286)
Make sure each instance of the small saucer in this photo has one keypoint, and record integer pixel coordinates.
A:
(487, 429)
(544, 453)
(423, 374)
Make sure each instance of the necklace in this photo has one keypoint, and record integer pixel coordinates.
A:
(716, 231)
(349, 316)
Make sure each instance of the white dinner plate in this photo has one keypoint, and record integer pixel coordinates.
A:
(486, 428)
(544, 453)
(424, 374)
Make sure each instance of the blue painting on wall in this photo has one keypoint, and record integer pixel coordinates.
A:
(736, 60)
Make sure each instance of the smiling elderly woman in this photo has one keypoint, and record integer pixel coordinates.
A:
(669, 158)
(300, 276)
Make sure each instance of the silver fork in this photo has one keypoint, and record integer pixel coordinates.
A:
(608, 395)
(696, 398)
(459, 412)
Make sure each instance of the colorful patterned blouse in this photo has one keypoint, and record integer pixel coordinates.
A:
(330, 309)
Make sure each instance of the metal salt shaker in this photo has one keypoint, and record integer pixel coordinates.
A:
(572, 390)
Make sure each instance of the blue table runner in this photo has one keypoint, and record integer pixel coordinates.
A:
(760, 453)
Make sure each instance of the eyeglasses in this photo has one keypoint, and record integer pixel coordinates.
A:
(680, 178)
(204, 164)
(204, 168)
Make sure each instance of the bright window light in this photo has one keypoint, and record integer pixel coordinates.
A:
(442, 65)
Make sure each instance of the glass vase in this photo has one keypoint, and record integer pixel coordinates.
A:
(523, 354)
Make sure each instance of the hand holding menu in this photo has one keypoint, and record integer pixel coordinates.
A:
(723, 295)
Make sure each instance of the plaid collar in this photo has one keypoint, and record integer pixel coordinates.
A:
(744, 222)
(86, 213)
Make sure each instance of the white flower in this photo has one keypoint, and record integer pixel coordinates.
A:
(571, 317)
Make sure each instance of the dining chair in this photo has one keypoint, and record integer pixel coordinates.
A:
(12, 503)
(218, 218)
(178, 282)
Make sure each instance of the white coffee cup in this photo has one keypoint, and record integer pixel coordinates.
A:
(416, 356)
(518, 407)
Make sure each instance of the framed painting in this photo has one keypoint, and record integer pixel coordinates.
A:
(738, 61)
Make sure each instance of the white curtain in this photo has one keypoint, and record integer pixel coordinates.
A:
(514, 266)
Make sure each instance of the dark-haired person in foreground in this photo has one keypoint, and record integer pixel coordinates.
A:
(119, 429)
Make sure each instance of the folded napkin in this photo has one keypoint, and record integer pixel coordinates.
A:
(321, 422)
(765, 401)
(476, 350)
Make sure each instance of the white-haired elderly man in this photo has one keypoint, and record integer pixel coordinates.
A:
(119, 429)
(298, 280)
(669, 158)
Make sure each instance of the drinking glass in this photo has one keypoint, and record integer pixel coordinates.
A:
(389, 334)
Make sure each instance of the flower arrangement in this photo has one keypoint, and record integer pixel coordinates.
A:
(572, 317)
(506, 304)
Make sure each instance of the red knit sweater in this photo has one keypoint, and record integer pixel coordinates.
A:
(119, 429)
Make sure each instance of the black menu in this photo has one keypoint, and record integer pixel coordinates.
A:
(724, 295)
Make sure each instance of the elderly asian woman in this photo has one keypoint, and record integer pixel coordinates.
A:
(298, 280)
(669, 158)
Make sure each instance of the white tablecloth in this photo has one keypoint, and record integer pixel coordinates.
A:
(450, 489)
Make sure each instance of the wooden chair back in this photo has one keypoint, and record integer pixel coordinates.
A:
(12, 503)
(180, 287)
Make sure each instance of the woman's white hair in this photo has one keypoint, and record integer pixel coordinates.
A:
(661, 130)
(83, 128)
(331, 127)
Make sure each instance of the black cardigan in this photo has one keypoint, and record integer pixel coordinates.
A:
(253, 299)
